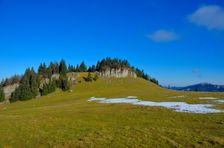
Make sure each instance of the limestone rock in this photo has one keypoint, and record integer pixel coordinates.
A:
(117, 73)
(8, 90)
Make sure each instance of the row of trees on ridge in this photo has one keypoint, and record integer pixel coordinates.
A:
(33, 83)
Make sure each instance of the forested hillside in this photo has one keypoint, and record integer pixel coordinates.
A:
(45, 80)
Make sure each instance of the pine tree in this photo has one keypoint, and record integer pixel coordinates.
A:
(25, 92)
(77, 68)
(42, 70)
(62, 68)
(65, 85)
(15, 95)
(53, 86)
(89, 69)
(54, 67)
(28, 87)
(2, 95)
(48, 88)
(48, 72)
(44, 90)
(98, 66)
(93, 68)
(33, 83)
(71, 68)
(83, 67)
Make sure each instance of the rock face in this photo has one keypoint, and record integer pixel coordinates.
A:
(118, 73)
(73, 77)
(8, 90)
(55, 76)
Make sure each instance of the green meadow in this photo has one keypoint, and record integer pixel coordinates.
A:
(66, 119)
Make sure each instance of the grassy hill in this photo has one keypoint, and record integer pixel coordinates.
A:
(66, 119)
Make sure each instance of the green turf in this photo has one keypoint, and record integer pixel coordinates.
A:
(66, 119)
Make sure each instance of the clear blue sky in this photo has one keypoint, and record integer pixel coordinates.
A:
(179, 42)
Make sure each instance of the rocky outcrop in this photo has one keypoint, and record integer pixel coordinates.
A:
(55, 77)
(72, 76)
(117, 73)
(8, 90)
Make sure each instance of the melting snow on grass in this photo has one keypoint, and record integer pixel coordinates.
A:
(212, 98)
(220, 101)
(208, 98)
(178, 106)
(177, 97)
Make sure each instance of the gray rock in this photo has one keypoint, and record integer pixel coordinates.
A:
(8, 90)
(118, 73)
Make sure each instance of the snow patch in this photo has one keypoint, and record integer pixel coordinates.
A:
(177, 97)
(220, 101)
(177, 106)
(208, 98)
(96, 99)
(132, 97)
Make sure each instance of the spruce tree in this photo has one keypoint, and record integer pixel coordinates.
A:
(15, 95)
(45, 90)
(83, 67)
(2, 95)
(62, 68)
(77, 68)
(89, 69)
(54, 67)
(33, 83)
(65, 85)
(40, 69)
(98, 66)
(71, 68)
(93, 68)
(28, 87)
(25, 93)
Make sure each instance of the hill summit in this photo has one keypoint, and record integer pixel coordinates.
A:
(58, 75)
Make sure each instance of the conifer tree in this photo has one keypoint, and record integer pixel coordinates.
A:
(62, 68)
(77, 68)
(93, 68)
(28, 87)
(44, 90)
(98, 66)
(71, 68)
(2, 95)
(42, 70)
(65, 85)
(83, 67)
(34, 83)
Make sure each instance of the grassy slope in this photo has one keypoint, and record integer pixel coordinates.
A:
(65, 119)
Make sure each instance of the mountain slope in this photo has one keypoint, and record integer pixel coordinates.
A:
(66, 119)
(203, 87)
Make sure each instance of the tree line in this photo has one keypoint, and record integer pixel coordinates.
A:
(115, 63)
(32, 83)
(9, 81)
(41, 83)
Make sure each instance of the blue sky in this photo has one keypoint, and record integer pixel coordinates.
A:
(177, 42)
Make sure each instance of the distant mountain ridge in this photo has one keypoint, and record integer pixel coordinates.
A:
(202, 87)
